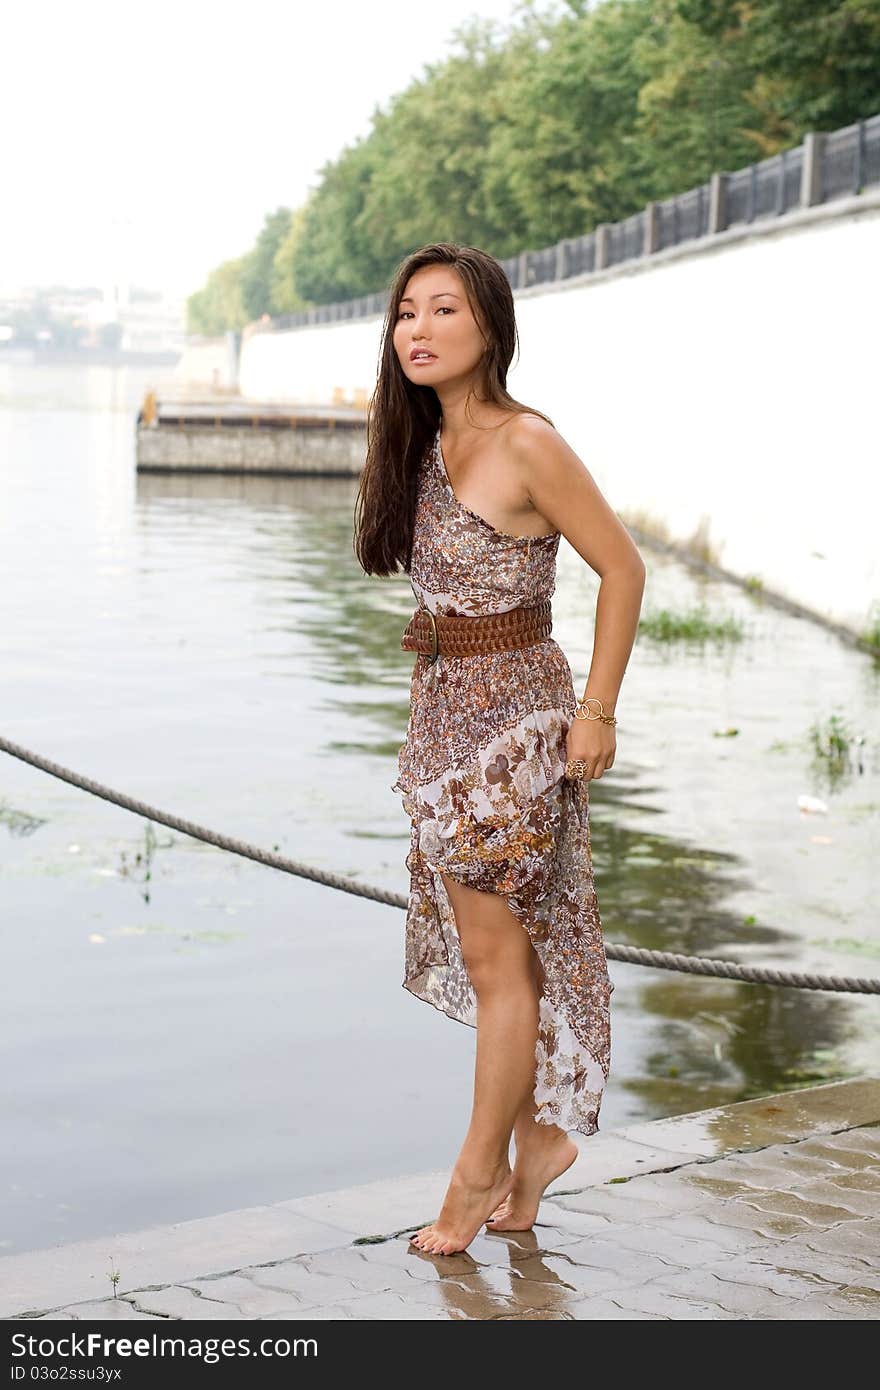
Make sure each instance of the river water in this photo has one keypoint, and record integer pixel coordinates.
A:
(184, 1032)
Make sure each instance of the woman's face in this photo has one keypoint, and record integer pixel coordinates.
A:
(434, 318)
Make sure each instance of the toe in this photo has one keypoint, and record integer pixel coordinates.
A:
(503, 1209)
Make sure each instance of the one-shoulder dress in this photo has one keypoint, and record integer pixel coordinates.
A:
(481, 776)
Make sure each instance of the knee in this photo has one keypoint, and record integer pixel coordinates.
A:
(498, 972)
(482, 972)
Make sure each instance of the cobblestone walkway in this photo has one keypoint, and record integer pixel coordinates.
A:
(767, 1209)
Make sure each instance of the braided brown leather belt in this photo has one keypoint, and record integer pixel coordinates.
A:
(473, 634)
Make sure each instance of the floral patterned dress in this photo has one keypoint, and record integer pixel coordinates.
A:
(481, 776)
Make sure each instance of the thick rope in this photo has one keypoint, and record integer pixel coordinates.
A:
(614, 950)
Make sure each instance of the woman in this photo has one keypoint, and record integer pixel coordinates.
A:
(468, 491)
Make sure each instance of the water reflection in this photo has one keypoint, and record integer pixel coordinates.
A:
(709, 1040)
(211, 645)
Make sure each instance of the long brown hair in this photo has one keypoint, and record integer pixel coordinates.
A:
(403, 417)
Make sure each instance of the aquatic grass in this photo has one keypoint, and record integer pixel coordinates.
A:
(836, 751)
(19, 823)
(848, 945)
(832, 741)
(140, 869)
(648, 523)
(871, 633)
(694, 625)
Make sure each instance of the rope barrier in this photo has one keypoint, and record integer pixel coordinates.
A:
(614, 950)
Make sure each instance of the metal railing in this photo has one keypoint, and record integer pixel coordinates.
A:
(826, 166)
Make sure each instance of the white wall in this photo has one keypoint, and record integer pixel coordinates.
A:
(319, 365)
(732, 391)
(205, 365)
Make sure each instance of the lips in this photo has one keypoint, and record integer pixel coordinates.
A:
(419, 354)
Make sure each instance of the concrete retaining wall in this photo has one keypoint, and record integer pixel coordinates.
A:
(720, 393)
(190, 449)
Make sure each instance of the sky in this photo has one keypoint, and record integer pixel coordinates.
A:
(157, 137)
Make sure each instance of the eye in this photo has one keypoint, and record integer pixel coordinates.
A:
(441, 308)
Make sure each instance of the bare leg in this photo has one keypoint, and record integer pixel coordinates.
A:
(543, 1152)
(497, 952)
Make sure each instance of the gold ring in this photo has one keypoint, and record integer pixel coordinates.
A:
(576, 769)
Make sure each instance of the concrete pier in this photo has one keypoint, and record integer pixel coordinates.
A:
(239, 436)
(765, 1209)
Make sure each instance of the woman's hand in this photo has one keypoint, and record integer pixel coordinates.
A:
(595, 742)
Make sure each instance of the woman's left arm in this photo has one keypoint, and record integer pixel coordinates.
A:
(562, 489)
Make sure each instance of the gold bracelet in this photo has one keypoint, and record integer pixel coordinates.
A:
(581, 712)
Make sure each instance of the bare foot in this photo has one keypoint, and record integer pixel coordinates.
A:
(463, 1212)
(537, 1164)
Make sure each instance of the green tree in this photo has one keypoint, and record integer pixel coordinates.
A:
(219, 305)
(286, 297)
(258, 272)
(562, 154)
(432, 183)
(331, 260)
(418, 176)
(822, 61)
(815, 63)
(539, 129)
(695, 113)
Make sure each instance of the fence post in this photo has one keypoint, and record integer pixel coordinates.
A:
(601, 260)
(651, 239)
(780, 185)
(811, 169)
(559, 271)
(717, 203)
(859, 168)
(522, 269)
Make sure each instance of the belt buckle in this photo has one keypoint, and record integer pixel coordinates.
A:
(435, 646)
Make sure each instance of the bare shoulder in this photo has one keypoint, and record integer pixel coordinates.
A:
(560, 486)
(536, 445)
(526, 432)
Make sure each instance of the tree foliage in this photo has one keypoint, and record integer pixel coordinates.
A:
(219, 304)
(538, 130)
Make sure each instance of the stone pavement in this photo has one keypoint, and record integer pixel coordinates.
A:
(769, 1208)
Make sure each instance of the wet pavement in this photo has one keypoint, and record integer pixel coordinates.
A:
(769, 1208)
